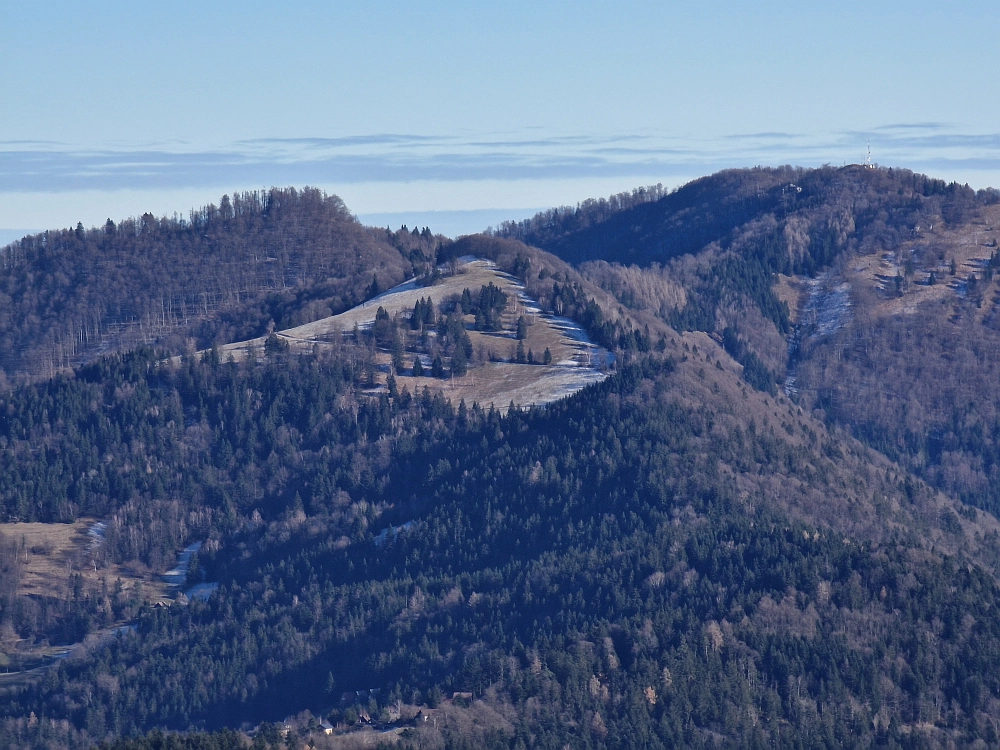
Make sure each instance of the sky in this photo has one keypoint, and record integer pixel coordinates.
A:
(460, 115)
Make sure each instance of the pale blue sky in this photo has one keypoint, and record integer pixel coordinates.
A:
(110, 109)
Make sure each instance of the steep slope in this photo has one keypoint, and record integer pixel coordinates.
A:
(732, 204)
(726, 236)
(912, 364)
(871, 290)
(656, 227)
(631, 564)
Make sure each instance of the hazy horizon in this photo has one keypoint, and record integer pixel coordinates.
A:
(111, 110)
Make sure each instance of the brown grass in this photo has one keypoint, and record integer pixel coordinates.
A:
(489, 381)
(789, 290)
(56, 551)
(932, 249)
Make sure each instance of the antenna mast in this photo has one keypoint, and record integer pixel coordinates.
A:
(868, 159)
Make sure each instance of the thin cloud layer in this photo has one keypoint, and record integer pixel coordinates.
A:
(31, 166)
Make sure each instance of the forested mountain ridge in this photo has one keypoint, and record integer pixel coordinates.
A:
(872, 291)
(681, 555)
(281, 257)
(726, 236)
(651, 225)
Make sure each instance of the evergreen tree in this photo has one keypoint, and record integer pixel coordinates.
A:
(384, 328)
(522, 328)
(489, 311)
(273, 345)
(397, 352)
(373, 289)
(459, 363)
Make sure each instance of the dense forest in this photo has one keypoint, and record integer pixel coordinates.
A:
(687, 554)
(923, 390)
(707, 256)
(632, 596)
(549, 226)
(280, 258)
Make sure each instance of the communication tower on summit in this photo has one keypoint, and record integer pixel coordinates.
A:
(868, 159)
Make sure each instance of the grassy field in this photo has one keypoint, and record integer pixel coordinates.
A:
(490, 380)
(48, 555)
(930, 249)
(55, 551)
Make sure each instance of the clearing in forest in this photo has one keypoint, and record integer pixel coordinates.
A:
(937, 263)
(459, 310)
(41, 558)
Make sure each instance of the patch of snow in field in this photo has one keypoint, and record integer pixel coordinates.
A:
(383, 536)
(588, 354)
(96, 534)
(201, 591)
(572, 330)
(178, 574)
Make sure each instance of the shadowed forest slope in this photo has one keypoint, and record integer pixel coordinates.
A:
(867, 293)
(608, 566)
